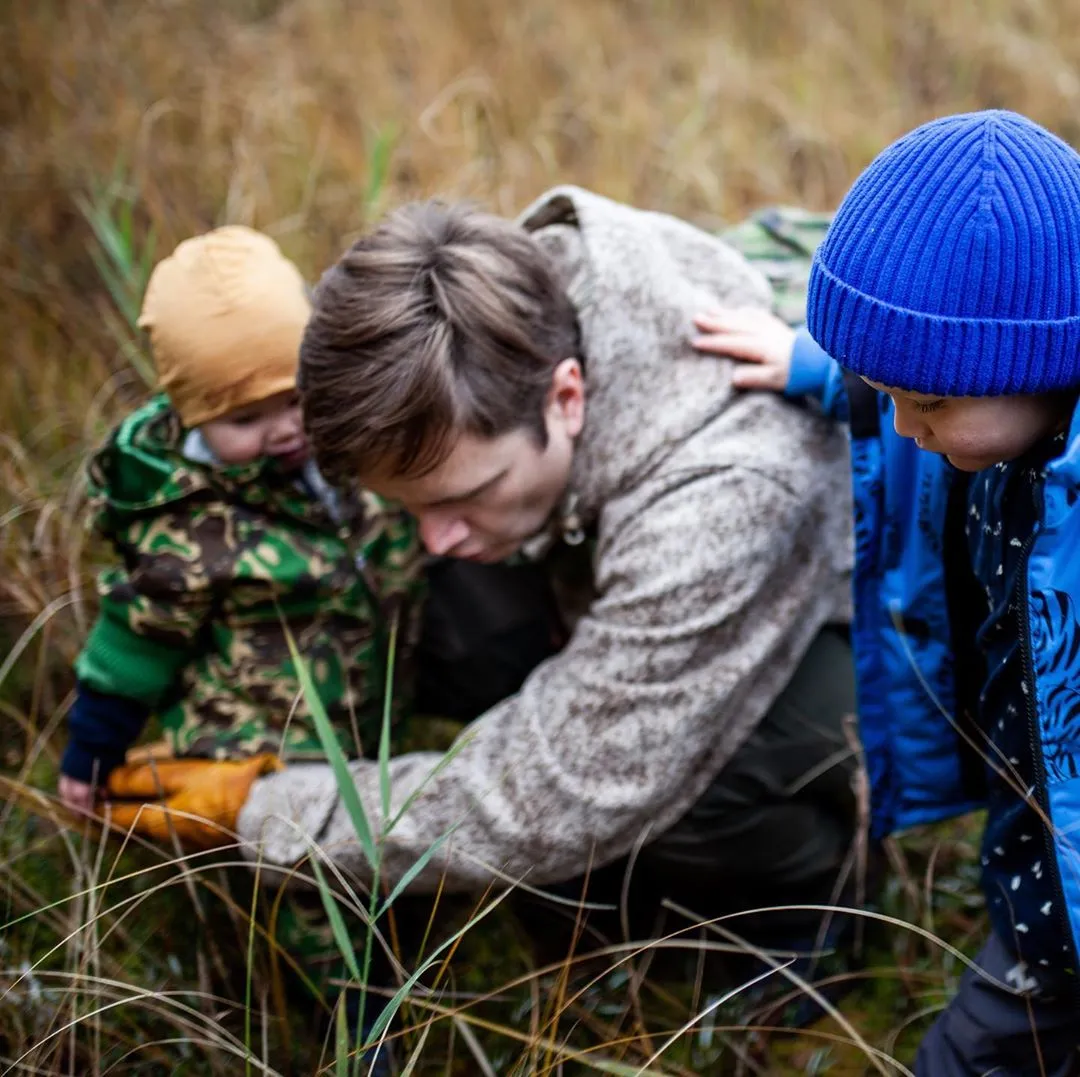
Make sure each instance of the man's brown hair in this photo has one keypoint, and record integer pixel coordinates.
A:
(444, 320)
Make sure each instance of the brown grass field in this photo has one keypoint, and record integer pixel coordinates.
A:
(306, 119)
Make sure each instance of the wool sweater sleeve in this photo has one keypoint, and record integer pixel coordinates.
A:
(707, 587)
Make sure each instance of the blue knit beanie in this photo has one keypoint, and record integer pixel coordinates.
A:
(953, 265)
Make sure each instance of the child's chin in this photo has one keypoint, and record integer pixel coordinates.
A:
(972, 463)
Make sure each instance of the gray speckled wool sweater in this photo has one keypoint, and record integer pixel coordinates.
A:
(723, 524)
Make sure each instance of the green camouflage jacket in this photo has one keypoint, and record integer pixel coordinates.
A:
(780, 242)
(215, 561)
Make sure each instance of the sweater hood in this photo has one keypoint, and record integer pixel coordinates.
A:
(636, 279)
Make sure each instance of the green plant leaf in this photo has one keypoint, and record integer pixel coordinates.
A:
(418, 866)
(394, 1004)
(123, 264)
(442, 764)
(379, 167)
(384, 736)
(621, 1069)
(337, 921)
(410, 1066)
(341, 1039)
(334, 755)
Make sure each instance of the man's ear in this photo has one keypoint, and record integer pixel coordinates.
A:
(566, 397)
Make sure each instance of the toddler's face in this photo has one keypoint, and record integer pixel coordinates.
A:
(974, 432)
(271, 427)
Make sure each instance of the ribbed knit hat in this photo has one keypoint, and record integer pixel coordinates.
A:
(952, 267)
(225, 313)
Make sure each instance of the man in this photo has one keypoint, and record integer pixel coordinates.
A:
(530, 389)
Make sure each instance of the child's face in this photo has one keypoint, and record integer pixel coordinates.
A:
(974, 432)
(271, 427)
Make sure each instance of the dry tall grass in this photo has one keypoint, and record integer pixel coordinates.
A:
(305, 118)
(277, 114)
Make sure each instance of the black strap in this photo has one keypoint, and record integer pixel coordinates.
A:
(864, 415)
(964, 599)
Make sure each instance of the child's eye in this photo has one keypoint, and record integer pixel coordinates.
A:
(926, 406)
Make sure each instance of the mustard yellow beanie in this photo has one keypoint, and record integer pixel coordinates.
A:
(225, 313)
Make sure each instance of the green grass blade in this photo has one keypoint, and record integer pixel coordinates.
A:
(384, 737)
(439, 767)
(394, 1004)
(334, 755)
(122, 264)
(126, 237)
(99, 216)
(341, 1039)
(248, 977)
(337, 921)
(129, 349)
(621, 1069)
(410, 1066)
(379, 168)
(417, 867)
(114, 283)
(146, 260)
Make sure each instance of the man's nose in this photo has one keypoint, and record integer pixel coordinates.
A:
(440, 533)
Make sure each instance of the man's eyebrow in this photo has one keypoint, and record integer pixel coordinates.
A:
(455, 499)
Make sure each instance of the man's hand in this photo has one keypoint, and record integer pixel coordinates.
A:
(202, 798)
(76, 796)
(757, 338)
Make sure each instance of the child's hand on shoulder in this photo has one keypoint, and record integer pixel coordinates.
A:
(757, 338)
(76, 796)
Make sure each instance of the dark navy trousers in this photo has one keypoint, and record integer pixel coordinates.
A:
(1028, 1030)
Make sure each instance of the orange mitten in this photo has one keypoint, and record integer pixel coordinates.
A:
(201, 797)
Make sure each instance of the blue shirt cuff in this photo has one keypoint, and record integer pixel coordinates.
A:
(810, 367)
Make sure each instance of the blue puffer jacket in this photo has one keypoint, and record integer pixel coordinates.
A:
(919, 770)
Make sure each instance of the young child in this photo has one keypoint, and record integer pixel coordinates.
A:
(230, 541)
(944, 324)
(227, 534)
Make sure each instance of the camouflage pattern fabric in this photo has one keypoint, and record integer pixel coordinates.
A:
(303, 930)
(216, 561)
(300, 927)
(781, 242)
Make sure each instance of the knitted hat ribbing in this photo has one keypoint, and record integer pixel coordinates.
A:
(952, 267)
